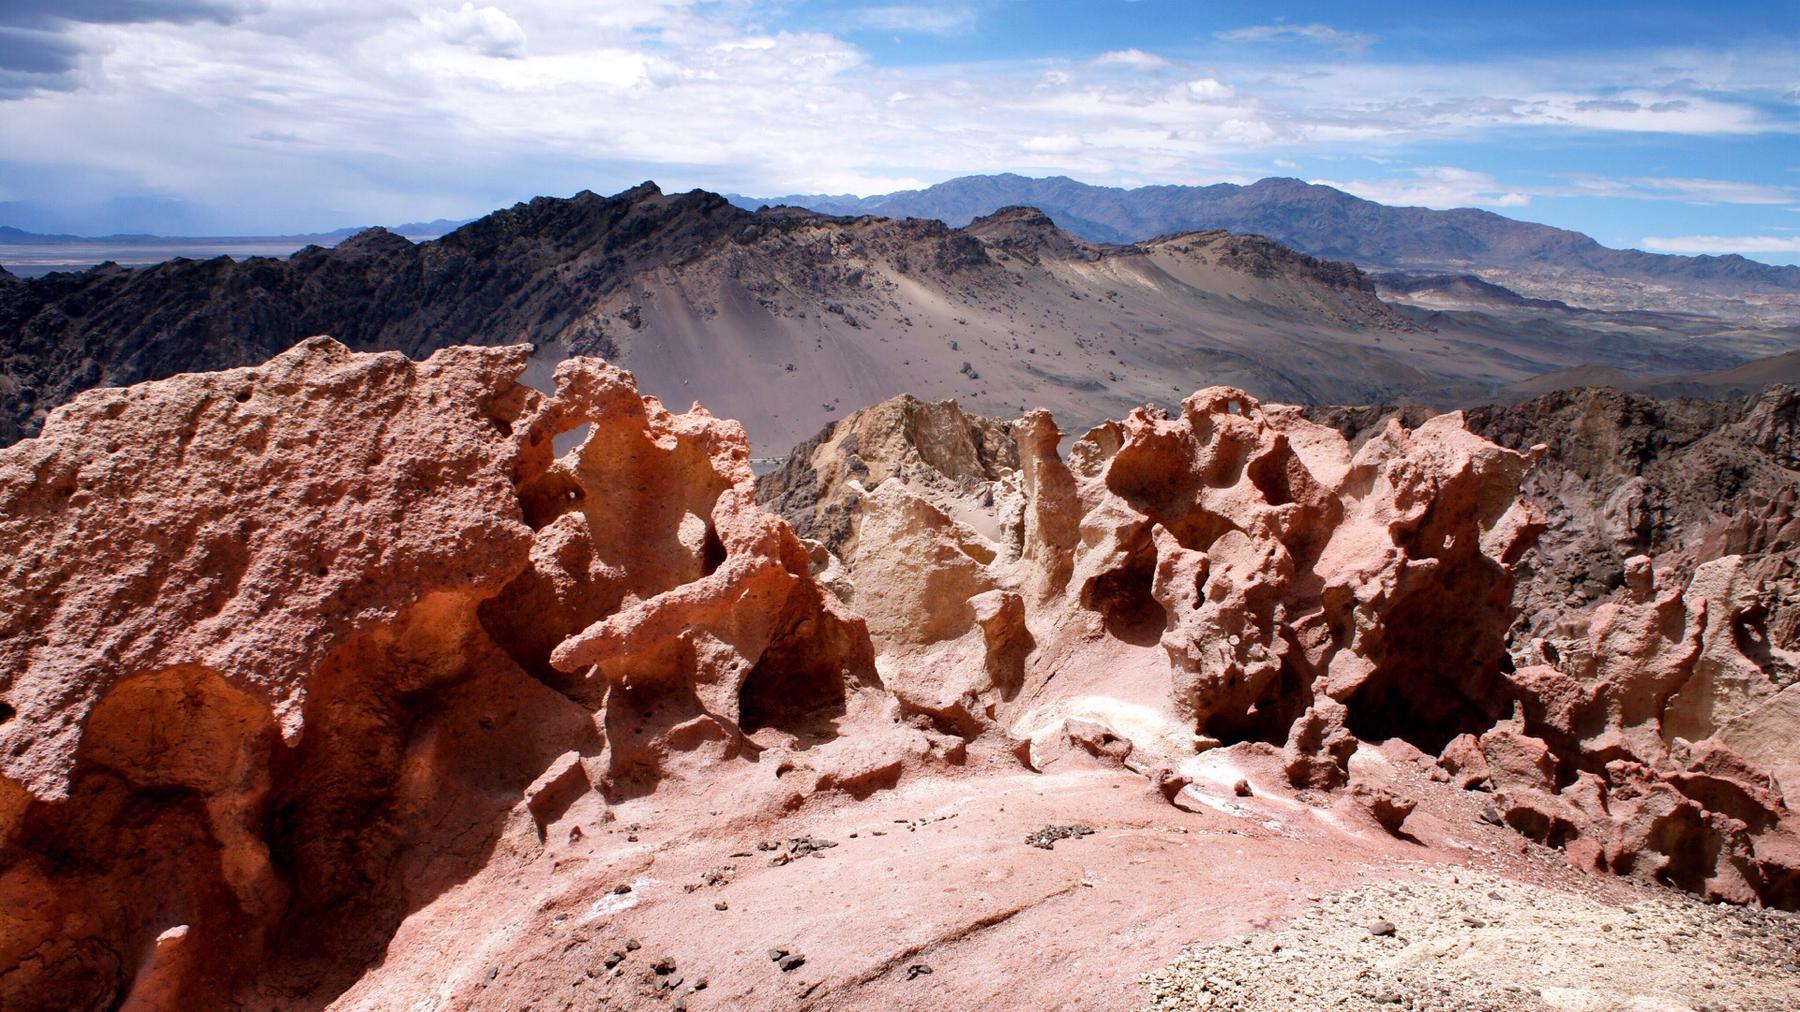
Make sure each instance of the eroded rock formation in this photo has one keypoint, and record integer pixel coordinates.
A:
(285, 648)
(288, 653)
(1658, 638)
(1238, 574)
(1231, 574)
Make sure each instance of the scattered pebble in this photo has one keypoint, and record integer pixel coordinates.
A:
(797, 848)
(1045, 839)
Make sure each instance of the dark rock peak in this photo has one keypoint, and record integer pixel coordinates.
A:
(1014, 216)
(645, 190)
(1263, 257)
(376, 241)
(1030, 233)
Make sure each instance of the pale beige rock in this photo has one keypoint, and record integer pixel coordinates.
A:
(1768, 735)
(1724, 683)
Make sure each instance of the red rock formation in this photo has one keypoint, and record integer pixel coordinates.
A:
(271, 634)
(288, 653)
(1674, 737)
(1236, 574)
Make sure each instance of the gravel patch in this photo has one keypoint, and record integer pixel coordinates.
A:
(1465, 940)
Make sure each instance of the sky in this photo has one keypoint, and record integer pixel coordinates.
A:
(1666, 126)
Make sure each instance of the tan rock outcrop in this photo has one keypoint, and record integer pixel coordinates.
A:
(1235, 570)
(1235, 573)
(938, 449)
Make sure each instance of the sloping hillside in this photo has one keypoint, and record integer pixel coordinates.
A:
(786, 319)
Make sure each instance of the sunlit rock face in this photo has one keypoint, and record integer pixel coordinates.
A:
(1234, 570)
(290, 653)
(1237, 575)
(272, 633)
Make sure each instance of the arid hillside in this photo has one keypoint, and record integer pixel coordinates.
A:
(786, 319)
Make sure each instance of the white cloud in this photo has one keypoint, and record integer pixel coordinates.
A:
(1718, 244)
(1437, 186)
(1136, 59)
(930, 19)
(1446, 186)
(489, 31)
(1697, 191)
(1208, 90)
(1325, 35)
(1052, 144)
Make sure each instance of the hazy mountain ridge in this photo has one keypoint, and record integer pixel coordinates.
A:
(1324, 222)
(435, 227)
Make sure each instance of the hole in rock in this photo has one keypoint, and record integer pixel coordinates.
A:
(548, 497)
(1270, 717)
(712, 551)
(566, 441)
(795, 688)
(7, 712)
(1692, 848)
(1123, 599)
(1270, 474)
(1438, 675)
(1197, 530)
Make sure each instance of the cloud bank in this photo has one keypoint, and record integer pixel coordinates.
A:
(342, 110)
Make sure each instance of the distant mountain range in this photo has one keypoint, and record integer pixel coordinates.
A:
(1535, 260)
(9, 234)
(785, 318)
